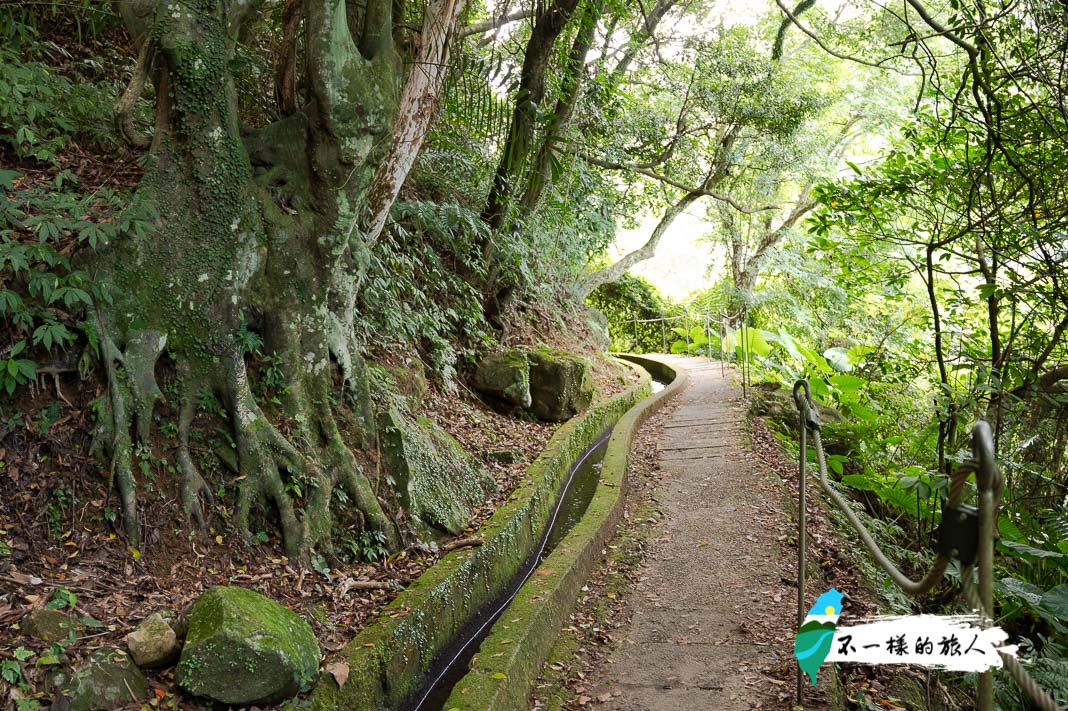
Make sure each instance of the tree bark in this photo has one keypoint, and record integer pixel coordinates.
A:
(570, 90)
(418, 106)
(287, 248)
(548, 25)
(613, 272)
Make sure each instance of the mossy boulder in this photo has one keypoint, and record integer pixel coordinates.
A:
(505, 377)
(775, 402)
(49, 625)
(243, 648)
(560, 384)
(108, 680)
(437, 481)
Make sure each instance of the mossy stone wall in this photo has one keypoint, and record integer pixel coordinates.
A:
(512, 655)
(388, 659)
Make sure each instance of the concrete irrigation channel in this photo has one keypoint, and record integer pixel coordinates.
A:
(426, 636)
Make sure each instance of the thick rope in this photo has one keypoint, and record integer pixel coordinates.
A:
(912, 587)
(1039, 696)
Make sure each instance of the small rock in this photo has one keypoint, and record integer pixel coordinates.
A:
(153, 644)
(243, 648)
(49, 625)
(109, 680)
(506, 456)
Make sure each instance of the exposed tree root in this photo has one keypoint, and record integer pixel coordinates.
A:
(134, 384)
(123, 110)
(274, 473)
(261, 452)
(194, 488)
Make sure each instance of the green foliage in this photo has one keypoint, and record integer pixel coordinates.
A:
(43, 110)
(369, 546)
(42, 292)
(20, 23)
(44, 222)
(627, 299)
(416, 293)
(62, 598)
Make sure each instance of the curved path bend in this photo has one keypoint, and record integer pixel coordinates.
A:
(713, 597)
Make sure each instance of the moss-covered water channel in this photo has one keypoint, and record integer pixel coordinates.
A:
(570, 506)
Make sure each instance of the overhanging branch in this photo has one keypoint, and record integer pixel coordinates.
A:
(699, 191)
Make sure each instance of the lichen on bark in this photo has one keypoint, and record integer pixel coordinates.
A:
(283, 246)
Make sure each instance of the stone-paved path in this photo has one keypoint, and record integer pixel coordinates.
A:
(710, 607)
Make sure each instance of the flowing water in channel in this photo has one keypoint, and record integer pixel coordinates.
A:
(569, 508)
(576, 495)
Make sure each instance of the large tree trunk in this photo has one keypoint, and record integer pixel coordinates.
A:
(284, 251)
(609, 274)
(520, 140)
(541, 174)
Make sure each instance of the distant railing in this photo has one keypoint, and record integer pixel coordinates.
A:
(739, 354)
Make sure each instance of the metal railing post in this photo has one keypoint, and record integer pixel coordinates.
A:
(802, 527)
(745, 357)
(722, 350)
(708, 339)
(989, 483)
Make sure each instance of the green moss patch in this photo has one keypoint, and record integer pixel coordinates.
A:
(388, 660)
(512, 655)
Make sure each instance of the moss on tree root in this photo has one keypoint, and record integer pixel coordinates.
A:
(512, 655)
(227, 252)
(388, 660)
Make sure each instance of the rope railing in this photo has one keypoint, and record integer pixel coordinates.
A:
(726, 318)
(974, 549)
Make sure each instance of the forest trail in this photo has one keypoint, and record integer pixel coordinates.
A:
(713, 606)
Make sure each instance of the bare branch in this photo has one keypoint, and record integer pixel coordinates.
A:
(495, 23)
(700, 191)
(824, 47)
(611, 273)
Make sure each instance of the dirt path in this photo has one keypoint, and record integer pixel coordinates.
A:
(713, 605)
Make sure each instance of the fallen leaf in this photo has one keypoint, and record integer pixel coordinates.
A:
(340, 672)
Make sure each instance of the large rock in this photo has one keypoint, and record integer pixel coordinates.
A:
(438, 483)
(242, 648)
(560, 384)
(153, 643)
(49, 625)
(505, 377)
(775, 402)
(109, 680)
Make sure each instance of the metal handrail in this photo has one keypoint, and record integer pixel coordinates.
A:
(989, 483)
(725, 317)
